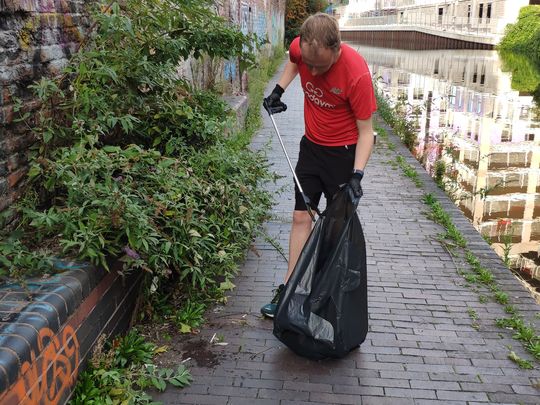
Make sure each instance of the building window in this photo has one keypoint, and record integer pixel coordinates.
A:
(488, 11)
(480, 10)
(469, 14)
(436, 68)
(506, 135)
(529, 137)
(483, 75)
(441, 11)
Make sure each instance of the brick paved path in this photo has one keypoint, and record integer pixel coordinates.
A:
(421, 347)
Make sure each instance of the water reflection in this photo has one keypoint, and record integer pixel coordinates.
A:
(486, 133)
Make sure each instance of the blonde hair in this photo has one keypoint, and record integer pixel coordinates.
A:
(321, 30)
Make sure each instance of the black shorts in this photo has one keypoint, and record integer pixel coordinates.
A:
(322, 169)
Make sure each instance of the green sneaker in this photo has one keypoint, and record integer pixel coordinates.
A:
(269, 310)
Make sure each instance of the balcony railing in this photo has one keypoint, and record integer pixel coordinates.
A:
(488, 27)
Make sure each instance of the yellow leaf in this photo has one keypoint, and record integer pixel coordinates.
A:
(161, 349)
(226, 285)
(194, 233)
(116, 392)
(184, 328)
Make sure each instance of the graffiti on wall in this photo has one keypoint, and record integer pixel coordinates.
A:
(234, 14)
(276, 31)
(245, 18)
(49, 15)
(50, 373)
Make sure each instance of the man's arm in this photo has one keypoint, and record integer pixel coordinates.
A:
(364, 144)
(290, 72)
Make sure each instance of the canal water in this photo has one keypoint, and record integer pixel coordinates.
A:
(478, 131)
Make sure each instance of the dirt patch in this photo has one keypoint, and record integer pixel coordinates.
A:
(199, 350)
(181, 347)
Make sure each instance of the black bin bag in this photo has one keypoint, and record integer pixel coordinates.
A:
(323, 311)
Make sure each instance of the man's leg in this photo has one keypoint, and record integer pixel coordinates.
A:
(300, 230)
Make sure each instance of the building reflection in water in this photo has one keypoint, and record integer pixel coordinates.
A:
(487, 134)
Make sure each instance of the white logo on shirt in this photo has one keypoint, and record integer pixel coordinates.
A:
(315, 95)
(315, 90)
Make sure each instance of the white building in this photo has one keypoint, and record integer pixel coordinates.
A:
(489, 17)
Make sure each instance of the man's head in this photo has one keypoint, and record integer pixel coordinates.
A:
(320, 43)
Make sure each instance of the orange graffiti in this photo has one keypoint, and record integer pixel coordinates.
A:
(46, 378)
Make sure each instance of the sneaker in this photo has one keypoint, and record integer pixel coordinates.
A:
(269, 310)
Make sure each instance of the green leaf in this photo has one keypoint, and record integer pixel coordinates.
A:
(34, 171)
(226, 285)
(184, 328)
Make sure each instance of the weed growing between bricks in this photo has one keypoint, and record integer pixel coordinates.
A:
(119, 371)
(479, 278)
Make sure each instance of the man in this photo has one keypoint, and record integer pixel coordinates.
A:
(338, 104)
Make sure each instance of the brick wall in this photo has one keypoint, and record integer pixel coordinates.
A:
(37, 38)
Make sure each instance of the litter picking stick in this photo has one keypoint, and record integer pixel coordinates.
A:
(305, 197)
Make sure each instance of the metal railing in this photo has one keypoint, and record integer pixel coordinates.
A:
(459, 25)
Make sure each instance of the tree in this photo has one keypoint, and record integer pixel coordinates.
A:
(296, 12)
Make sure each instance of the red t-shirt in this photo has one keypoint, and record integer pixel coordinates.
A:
(335, 100)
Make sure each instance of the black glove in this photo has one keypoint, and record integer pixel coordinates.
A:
(354, 183)
(273, 103)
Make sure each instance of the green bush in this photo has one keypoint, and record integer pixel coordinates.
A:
(524, 35)
(119, 373)
(194, 214)
(132, 161)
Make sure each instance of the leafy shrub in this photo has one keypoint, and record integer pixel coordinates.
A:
(119, 373)
(133, 162)
(194, 215)
(524, 36)
(124, 87)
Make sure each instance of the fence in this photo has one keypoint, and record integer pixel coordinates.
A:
(488, 27)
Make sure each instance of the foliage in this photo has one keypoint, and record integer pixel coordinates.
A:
(295, 14)
(398, 116)
(522, 363)
(120, 373)
(194, 215)
(524, 36)
(525, 71)
(409, 171)
(258, 79)
(133, 162)
(189, 316)
(520, 51)
(125, 87)
(440, 216)
(523, 332)
(18, 260)
(171, 303)
(439, 172)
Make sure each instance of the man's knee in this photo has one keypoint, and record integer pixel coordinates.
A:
(301, 218)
